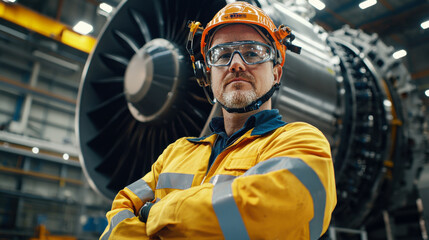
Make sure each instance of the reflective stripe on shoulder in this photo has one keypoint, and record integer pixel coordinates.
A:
(119, 217)
(308, 177)
(142, 190)
(175, 180)
(227, 213)
(221, 178)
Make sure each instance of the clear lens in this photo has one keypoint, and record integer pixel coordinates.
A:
(250, 51)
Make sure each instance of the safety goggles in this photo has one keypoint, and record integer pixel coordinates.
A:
(251, 52)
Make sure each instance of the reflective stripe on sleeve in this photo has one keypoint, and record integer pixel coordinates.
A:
(175, 180)
(119, 217)
(142, 190)
(308, 178)
(221, 178)
(227, 213)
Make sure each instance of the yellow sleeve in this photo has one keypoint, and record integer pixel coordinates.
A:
(123, 222)
(293, 190)
(186, 214)
(290, 195)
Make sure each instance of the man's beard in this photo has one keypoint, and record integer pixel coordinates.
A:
(238, 98)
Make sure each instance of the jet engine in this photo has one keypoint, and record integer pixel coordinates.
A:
(138, 94)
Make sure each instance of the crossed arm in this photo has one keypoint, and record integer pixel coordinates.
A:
(299, 189)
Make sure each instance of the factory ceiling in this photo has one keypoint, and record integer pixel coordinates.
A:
(396, 22)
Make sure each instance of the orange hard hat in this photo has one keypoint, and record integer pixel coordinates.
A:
(245, 13)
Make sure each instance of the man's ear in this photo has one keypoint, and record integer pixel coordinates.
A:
(277, 73)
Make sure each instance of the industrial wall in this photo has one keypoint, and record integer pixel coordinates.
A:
(42, 182)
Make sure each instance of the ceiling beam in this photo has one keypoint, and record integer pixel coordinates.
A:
(34, 21)
(340, 18)
(6, 82)
(326, 14)
(386, 4)
(421, 74)
(399, 17)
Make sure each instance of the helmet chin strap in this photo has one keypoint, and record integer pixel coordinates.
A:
(255, 104)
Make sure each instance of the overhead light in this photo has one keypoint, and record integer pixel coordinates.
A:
(35, 150)
(10, 1)
(317, 4)
(399, 54)
(83, 28)
(367, 3)
(66, 156)
(105, 7)
(387, 103)
(425, 24)
(427, 92)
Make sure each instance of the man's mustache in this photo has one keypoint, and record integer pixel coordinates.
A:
(243, 75)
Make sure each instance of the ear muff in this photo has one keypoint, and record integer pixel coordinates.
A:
(200, 70)
(201, 74)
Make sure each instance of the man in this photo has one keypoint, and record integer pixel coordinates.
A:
(255, 177)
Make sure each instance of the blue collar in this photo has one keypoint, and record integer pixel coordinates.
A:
(261, 122)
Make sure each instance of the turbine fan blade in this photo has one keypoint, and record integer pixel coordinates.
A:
(126, 41)
(141, 24)
(122, 147)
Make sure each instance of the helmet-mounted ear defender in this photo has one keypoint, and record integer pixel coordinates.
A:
(198, 66)
(200, 69)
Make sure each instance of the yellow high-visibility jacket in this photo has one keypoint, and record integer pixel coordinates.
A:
(278, 184)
